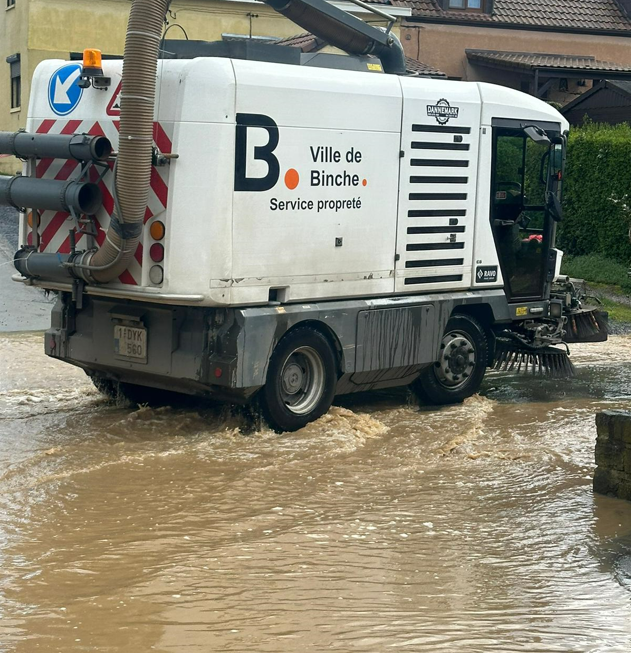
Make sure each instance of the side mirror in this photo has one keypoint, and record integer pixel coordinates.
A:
(537, 135)
(554, 206)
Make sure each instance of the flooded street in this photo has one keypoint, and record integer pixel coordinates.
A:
(380, 527)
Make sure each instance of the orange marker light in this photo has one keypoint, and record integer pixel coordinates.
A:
(92, 58)
(29, 219)
(157, 230)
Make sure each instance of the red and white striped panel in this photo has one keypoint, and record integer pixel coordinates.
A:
(55, 226)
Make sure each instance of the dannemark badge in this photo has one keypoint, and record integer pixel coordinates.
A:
(442, 111)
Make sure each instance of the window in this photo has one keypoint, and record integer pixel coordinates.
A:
(471, 5)
(10, 3)
(15, 73)
(521, 221)
(16, 92)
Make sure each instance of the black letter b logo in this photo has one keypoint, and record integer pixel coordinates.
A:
(261, 153)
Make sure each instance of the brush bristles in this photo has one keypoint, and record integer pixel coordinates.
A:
(552, 362)
(584, 325)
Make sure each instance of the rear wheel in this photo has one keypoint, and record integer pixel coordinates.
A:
(459, 372)
(301, 380)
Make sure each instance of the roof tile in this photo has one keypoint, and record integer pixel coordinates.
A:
(421, 69)
(591, 15)
(307, 42)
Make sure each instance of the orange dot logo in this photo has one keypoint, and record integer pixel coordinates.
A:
(365, 182)
(292, 178)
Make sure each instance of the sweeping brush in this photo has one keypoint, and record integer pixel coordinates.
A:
(586, 325)
(511, 356)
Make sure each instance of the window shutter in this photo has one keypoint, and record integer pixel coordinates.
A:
(15, 65)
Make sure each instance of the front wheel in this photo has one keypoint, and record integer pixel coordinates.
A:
(459, 372)
(301, 380)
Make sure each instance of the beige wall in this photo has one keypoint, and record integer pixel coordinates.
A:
(13, 38)
(72, 25)
(443, 46)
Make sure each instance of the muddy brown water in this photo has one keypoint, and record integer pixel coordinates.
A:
(380, 527)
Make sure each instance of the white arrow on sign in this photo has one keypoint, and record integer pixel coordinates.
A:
(62, 88)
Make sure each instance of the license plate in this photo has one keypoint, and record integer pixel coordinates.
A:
(130, 342)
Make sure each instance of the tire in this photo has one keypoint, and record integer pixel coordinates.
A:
(135, 394)
(462, 365)
(104, 386)
(301, 380)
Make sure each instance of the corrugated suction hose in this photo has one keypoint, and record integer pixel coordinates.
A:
(133, 167)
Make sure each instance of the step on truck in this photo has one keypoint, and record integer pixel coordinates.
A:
(242, 221)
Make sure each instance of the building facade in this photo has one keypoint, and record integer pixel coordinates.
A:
(34, 30)
(554, 49)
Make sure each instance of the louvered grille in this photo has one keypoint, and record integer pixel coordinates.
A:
(439, 191)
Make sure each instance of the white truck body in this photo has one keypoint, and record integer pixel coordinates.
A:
(382, 188)
(322, 230)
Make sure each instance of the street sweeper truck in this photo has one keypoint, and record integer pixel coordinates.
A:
(244, 221)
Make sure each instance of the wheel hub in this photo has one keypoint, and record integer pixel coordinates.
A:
(302, 380)
(293, 376)
(457, 360)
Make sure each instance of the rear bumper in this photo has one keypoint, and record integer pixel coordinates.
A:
(225, 352)
(180, 353)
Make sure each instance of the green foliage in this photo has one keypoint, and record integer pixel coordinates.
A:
(597, 192)
(618, 312)
(597, 268)
(513, 167)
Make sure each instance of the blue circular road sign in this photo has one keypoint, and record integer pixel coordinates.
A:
(64, 92)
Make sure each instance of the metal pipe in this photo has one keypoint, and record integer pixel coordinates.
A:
(393, 58)
(26, 192)
(81, 147)
(132, 174)
(344, 31)
(31, 263)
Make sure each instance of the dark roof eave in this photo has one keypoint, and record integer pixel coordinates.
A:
(512, 65)
(553, 71)
(516, 26)
(578, 73)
